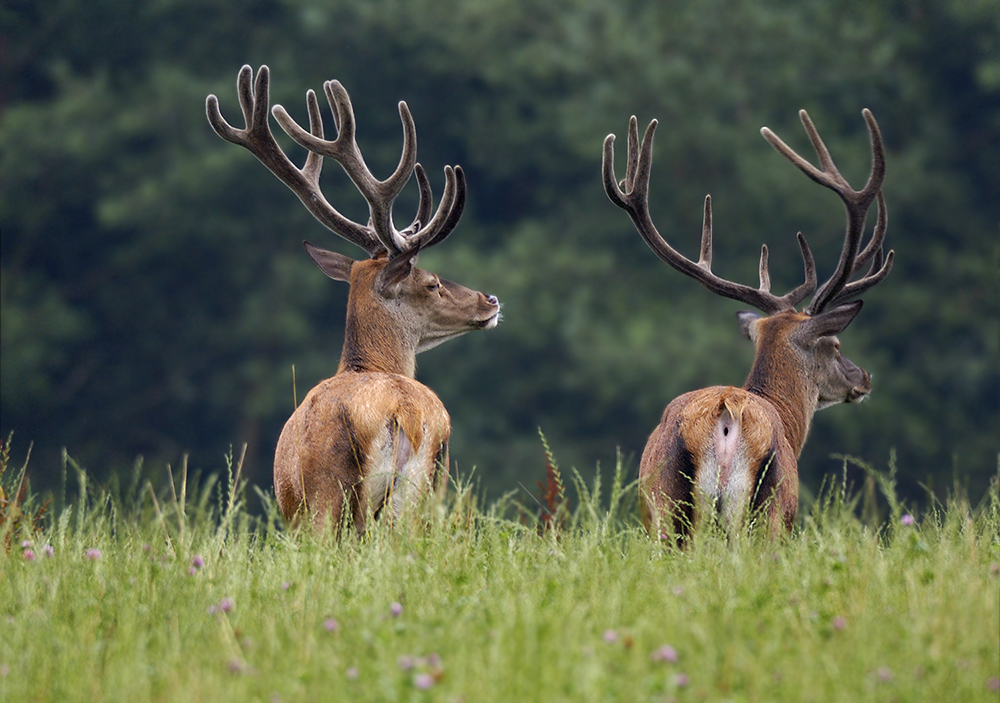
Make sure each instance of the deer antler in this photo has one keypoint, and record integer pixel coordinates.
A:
(634, 199)
(380, 234)
(838, 287)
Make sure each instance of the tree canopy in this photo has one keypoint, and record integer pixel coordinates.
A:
(155, 296)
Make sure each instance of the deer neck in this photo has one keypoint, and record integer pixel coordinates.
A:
(777, 377)
(374, 341)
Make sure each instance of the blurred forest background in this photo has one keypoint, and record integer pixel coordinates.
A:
(155, 294)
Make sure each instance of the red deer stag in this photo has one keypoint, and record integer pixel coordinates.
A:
(729, 450)
(372, 435)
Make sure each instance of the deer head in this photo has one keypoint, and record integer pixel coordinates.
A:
(395, 309)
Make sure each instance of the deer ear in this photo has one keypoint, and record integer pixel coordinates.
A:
(746, 319)
(336, 266)
(396, 271)
(832, 321)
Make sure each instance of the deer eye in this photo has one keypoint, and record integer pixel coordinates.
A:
(433, 285)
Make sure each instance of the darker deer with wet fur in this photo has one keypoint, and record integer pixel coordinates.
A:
(734, 451)
(371, 439)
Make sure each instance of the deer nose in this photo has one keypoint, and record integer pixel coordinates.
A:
(492, 300)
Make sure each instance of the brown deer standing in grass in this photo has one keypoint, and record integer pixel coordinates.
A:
(729, 450)
(371, 438)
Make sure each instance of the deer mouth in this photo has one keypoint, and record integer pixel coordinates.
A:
(858, 394)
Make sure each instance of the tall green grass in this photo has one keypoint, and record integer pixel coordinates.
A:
(132, 594)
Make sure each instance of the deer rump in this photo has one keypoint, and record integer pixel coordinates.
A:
(376, 440)
(720, 449)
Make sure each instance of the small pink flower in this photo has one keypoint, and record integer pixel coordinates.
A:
(192, 571)
(396, 609)
(225, 605)
(26, 543)
(423, 681)
(94, 554)
(434, 660)
(331, 625)
(610, 636)
(197, 562)
(681, 680)
(28, 555)
(285, 586)
(907, 519)
(353, 673)
(666, 653)
(993, 683)
(405, 662)
(48, 550)
(839, 623)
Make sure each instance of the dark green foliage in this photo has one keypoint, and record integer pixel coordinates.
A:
(155, 296)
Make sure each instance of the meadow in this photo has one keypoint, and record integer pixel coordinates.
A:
(172, 590)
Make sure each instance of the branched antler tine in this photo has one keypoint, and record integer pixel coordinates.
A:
(424, 204)
(632, 155)
(877, 177)
(260, 99)
(874, 245)
(822, 153)
(808, 286)
(314, 161)
(455, 196)
(342, 109)
(789, 153)
(705, 256)
(879, 271)
(644, 166)
(611, 185)
(429, 229)
(765, 277)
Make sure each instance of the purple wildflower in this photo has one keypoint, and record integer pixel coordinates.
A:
(285, 586)
(610, 636)
(197, 562)
(225, 605)
(907, 519)
(405, 662)
(681, 680)
(94, 554)
(434, 660)
(48, 550)
(28, 555)
(839, 623)
(192, 571)
(666, 653)
(396, 609)
(993, 683)
(331, 625)
(423, 681)
(26, 543)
